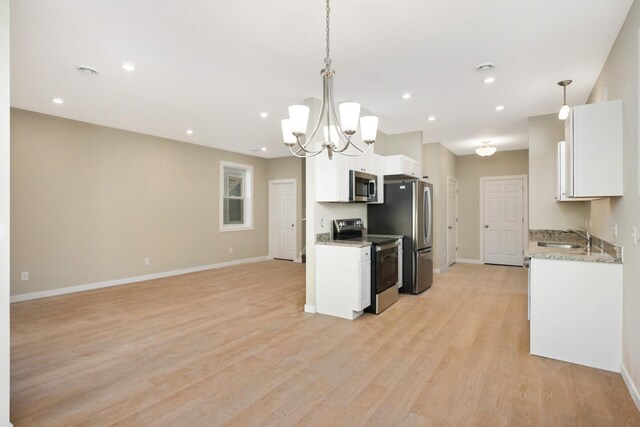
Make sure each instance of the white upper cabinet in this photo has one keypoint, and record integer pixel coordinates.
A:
(332, 178)
(401, 165)
(593, 156)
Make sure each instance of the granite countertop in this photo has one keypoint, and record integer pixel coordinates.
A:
(353, 243)
(540, 252)
(612, 254)
(391, 236)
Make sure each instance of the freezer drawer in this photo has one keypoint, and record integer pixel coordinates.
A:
(423, 270)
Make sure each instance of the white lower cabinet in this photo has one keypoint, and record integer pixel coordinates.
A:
(343, 280)
(576, 312)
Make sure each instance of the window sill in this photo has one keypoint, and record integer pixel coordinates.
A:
(225, 228)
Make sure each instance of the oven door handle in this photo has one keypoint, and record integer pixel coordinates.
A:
(387, 246)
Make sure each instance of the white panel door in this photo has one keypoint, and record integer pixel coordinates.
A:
(503, 221)
(282, 219)
(452, 224)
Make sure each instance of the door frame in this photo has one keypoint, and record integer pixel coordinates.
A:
(525, 209)
(451, 178)
(270, 214)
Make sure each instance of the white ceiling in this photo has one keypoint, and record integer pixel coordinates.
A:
(213, 66)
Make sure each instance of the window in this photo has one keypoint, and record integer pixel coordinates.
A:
(236, 183)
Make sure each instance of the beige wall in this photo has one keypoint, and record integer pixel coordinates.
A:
(619, 77)
(90, 203)
(544, 212)
(408, 143)
(4, 212)
(291, 168)
(438, 163)
(469, 171)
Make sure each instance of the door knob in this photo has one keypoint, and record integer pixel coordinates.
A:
(486, 226)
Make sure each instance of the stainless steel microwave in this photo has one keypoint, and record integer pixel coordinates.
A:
(363, 187)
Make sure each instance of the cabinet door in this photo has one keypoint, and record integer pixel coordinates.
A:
(365, 285)
(406, 166)
(332, 179)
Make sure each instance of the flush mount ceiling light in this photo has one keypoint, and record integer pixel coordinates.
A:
(87, 70)
(486, 150)
(565, 109)
(58, 100)
(128, 66)
(338, 133)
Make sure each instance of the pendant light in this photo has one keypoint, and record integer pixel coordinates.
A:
(565, 109)
(338, 130)
(486, 150)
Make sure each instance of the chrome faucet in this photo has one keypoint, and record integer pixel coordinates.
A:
(584, 233)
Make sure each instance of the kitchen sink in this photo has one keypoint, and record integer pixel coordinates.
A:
(560, 245)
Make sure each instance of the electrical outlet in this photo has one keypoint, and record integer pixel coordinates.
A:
(615, 231)
(230, 250)
(24, 276)
(147, 261)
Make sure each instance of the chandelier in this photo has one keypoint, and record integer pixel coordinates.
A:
(338, 131)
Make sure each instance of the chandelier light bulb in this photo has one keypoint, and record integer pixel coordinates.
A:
(299, 116)
(331, 134)
(349, 115)
(287, 135)
(369, 128)
(564, 112)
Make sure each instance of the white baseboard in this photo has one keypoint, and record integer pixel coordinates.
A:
(298, 260)
(469, 261)
(309, 308)
(128, 280)
(436, 270)
(633, 390)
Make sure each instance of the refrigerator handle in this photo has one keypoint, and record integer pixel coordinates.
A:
(428, 214)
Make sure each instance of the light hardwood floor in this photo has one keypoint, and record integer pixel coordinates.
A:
(233, 347)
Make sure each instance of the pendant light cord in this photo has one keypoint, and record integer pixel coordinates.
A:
(327, 59)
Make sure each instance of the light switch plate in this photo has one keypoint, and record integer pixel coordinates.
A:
(634, 235)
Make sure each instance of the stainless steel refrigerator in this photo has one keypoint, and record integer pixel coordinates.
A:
(408, 210)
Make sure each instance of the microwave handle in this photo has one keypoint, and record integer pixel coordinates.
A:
(375, 188)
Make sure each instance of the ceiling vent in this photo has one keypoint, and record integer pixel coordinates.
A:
(487, 66)
(87, 70)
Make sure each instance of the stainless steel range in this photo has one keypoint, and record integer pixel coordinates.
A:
(385, 261)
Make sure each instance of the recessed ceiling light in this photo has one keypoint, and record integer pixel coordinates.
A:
(87, 70)
(264, 115)
(128, 66)
(406, 96)
(189, 131)
(487, 66)
(500, 108)
(489, 80)
(263, 149)
(58, 101)
(431, 118)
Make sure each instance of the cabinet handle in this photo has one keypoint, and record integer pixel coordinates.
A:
(486, 226)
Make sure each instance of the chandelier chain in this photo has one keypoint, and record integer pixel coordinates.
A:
(327, 59)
